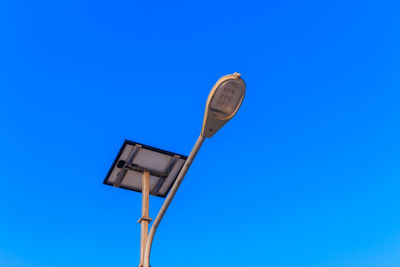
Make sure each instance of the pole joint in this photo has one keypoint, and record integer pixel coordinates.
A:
(144, 219)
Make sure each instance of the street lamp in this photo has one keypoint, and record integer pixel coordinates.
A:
(223, 102)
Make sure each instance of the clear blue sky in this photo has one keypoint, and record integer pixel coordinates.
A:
(306, 174)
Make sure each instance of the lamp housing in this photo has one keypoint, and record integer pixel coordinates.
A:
(223, 102)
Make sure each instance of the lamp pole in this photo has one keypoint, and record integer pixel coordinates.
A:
(169, 198)
(222, 104)
(144, 220)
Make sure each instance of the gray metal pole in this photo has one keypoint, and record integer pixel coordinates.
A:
(169, 198)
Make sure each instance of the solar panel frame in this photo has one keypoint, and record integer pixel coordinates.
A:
(146, 147)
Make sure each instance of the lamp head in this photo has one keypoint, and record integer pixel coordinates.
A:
(223, 102)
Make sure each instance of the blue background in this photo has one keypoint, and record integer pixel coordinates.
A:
(306, 174)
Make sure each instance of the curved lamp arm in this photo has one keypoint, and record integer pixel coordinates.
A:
(169, 198)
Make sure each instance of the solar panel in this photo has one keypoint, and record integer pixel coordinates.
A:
(134, 158)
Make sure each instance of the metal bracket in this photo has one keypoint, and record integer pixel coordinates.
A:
(167, 171)
(144, 219)
(136, 168)
(127, 165)
(123, 172)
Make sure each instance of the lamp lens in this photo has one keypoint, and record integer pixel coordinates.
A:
(226, 99)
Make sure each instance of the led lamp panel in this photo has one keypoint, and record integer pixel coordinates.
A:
(227, 98)
(134, 158)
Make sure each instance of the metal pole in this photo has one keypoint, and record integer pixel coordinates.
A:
(169, 198)
(144, 220)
